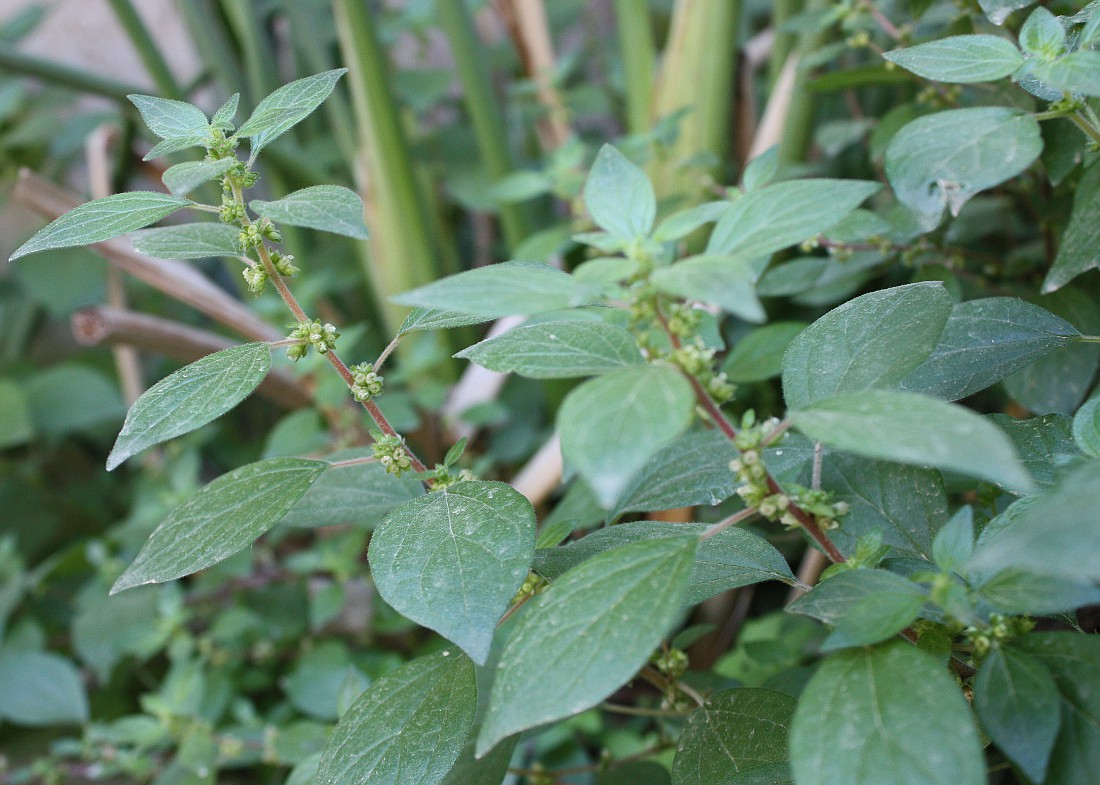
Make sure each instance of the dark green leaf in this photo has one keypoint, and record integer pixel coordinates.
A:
(329, 208)
(40, 688)
(1015, 591)
(619, 196)
(1018, 704)
(873, 341)
(16, 426)
(1043, 443)
(408, 728)
(430, 319)
(191, 397)
(719, 280)
(557, 350)
(734, 732)
(102, 219)
(612, 425)
(286, 107)
(759, 355)
(985, 341)
(187, 241)
(452, 560)
(733, 557)
(170, 119)
(221, 519)
(1079, 250)
(586, 635)
(888, 715)
(681, 224)
(498, 290)
(490, 769)
(1086, 427)
(772, 218)
(954, 542)
(184, 178)
(960, 58)
(909, 428)
(943, 159)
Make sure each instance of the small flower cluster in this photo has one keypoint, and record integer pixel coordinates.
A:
(532, 585)
(697, 360)
(1000, 629)
(445, 476)
(672, 662)
(366, 384)
(321, 336)
(253, 235)
(391, 453)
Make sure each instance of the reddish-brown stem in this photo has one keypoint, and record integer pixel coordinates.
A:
(817, 534)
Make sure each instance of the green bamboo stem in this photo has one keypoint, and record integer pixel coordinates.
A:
(798, 129)
(639, 59)
(782, 11)
(211, 38)
(258, 57)
(402, 248)
(147, 49)
(482, 107)
(11, 59)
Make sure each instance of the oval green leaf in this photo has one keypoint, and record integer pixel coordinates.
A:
(39, 688)
(187, 241)
(729, 283)
(619, 196)
(286, 107)
(329, 208)
(557, 350)
(498, 290)
(184, 178)
(961, 59)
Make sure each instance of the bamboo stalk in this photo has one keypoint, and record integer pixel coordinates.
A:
(258, 57)
(798, 130)
(213, 42)
(639, 59)
(782, 11)
(11, 59)
(147, 49)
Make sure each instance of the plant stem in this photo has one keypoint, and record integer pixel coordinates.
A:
(147, 49)
(636, 52)
(11, 59)
(353, 462)
(386, 352)
(641, 711)
(732, 520)
(1085, 125)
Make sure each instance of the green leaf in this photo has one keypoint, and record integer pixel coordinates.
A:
(1077, 72)
(761, 170)
(38, 688)
(733, 557)
(888, 715)
(187, 241)
(1074, 662)
(729, 283)
(586, 635)
(1018, 704)
(1079, 250)
(1042, 34)
(759, 355)
(954, 542)
(866, 606)
(490, 769)
(909, 428)
(173, 120)
(16, 426)
(329, 208)
(612, 425)
(872, 341)
(452, 560)
(904, 504)
(1016, 591)
(408, 728)
(985, 341)
(220, 519)
(1044, 443)
(692, 470)
(358, 495)
(999, 10)
(184, 178)
(681, 224)
(102, 219)
(498, 290)
(943, 159)
(1086, 427)
(733, 733)
(431, 319)
(224, 117)
(191, 397)
(1056, 535)
(772, 218)
(106, 629)
(286, 107)
(961, 59)
(557, 350)
(619, 196)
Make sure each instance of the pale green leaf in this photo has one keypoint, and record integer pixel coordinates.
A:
(170, 119)
(102, 219)
(985, 341)
(1086, 427)
(286, 107)
(776, 216)
(187, 241)
(681, 224)
(1077, 72)
(761, 170)
(221, 519)
(498, 290)
(619, 196)
(759, 355)
(167, 146)
(408, 728)
(999, 10)
(453, 560)
(612, 425)
(733, 733)
(1014, 591)
(226, 114)
(943, 159)
(432, 319)
(16, 426)
(914, 429)
(1042, 34)
(864, 606)
(733, 557)
(40, 688)
(888, 715)
(586, 635)
(191, 397)
(727, 282)
(961, 59)
(954, 542)
(557, 350)
(329, 208)
(1079, 250)
(184, 178)
(872, 341)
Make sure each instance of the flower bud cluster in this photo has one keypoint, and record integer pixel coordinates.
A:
(697, 360)
(446, 476)
(255, 276)
(1000, 629)
(672, 662)
(321, 336)
(366, 384)
(391, 453)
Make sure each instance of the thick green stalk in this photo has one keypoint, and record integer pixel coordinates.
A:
(11, 59)
(697, 74)
(147, 49)
(798, 130)
(219, 56)
(782, 11)
(482, 107)
(402, 249)
(259, 60)
(639, 58)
